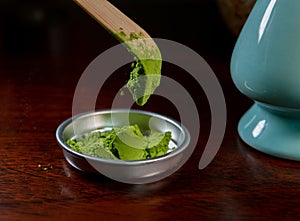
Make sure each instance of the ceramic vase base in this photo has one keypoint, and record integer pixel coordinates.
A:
(274, 131)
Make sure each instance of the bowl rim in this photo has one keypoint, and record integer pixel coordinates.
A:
(64, 146)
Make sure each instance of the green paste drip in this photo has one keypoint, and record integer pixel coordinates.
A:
(146, 70)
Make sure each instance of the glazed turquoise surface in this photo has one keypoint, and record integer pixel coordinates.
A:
(265, 66)
(265, 63)
(273, 132)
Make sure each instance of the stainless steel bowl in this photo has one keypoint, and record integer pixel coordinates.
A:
(135, 172)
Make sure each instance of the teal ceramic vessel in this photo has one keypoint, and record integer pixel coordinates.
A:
(265, 66)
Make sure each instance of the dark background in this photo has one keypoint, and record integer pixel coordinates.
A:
(28, 25)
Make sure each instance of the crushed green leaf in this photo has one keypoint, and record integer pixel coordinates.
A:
(125, 143)
(146, 69)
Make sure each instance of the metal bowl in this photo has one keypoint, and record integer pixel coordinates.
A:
(135, 172)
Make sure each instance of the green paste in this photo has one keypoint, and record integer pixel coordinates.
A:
(146, 70)
(125, 143)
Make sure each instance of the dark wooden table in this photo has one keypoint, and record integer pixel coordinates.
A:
(45, 49)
